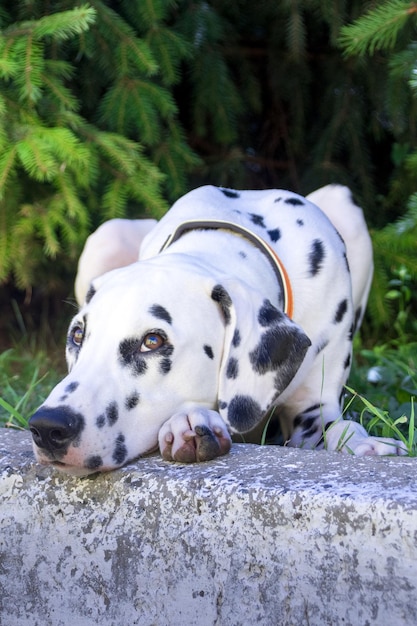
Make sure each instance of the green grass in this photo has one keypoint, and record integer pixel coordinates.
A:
(26, 378)
(382, 391)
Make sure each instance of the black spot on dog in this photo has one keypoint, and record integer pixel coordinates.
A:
(120, 450)
(316, 256)
(90, 293)
(271, 351)
(297, 421)
(278, 199)
(274, 234)
(347, 262)
(268, 314)
(281, 349)
(100, 420)
(307, 420)
(243, 413)
(258, 220)
(209, 351)
(326, 428)
(341, 311)
(71, 387)
(312, 408)
(165, 365)
(222, 404)
(243, 255)
(347, 361)
(229, 193)
(358, 315)
(132, 401)
(130, 356)
(94, 462)
(112, 413)
(236, 338)
(351, 332)
(309, 432)
(300, 222)
(160, 313)
(322, 345)
(232, 370)
(309, 426)
(294, 201)
(220, 295)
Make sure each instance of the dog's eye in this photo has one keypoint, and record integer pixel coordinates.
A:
(77, 335)
(151, 341)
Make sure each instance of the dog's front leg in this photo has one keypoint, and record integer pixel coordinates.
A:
(194, 436)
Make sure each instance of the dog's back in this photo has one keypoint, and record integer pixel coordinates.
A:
(337, 203)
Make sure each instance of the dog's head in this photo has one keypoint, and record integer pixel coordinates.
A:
(153, 339)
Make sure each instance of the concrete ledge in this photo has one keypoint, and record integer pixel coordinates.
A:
(271, 536)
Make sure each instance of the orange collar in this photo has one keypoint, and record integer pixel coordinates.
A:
(277, 265)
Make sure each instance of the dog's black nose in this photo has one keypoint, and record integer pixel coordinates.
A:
(54, 429)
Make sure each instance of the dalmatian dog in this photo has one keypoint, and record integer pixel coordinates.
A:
(242, 305)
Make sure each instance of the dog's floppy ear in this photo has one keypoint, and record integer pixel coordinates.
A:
(262, 353)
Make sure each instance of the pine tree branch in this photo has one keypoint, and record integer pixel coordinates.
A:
(378, 29)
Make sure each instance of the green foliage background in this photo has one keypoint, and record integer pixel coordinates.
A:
(116, 107)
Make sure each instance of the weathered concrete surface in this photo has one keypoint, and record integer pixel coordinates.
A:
(268, 536)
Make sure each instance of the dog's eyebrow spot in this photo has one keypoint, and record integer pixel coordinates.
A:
(316, 256)
(120, 450)
(160, 313)
(294, 201)
(112, 413)
(300, 222)
(71, 387)
(229, 193)
(209, 351)
(132, 401)
(94, 462)
(220, 295)
(341, 311)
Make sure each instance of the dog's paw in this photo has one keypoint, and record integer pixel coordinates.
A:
(351, 437)
(198, 435)
(380, 446)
